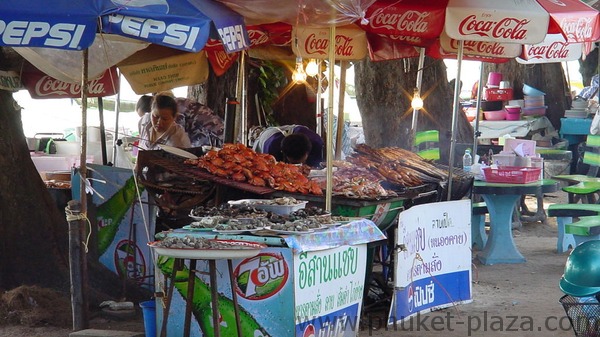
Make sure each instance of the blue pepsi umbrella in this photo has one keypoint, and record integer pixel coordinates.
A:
(67, 24)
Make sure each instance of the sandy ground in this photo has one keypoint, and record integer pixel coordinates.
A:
(508, 299)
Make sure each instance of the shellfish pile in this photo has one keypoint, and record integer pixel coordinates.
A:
(240, 163)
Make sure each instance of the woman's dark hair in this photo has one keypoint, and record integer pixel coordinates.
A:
(295, 146)
(162, 101)
(144, 104)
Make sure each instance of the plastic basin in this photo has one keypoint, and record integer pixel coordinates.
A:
(513, 109)
(511, 116)
(535, 111)
(498, 115)
(531, 91)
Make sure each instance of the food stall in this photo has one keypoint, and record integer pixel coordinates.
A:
(322, 302)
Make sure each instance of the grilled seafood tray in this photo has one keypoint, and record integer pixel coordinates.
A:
(174, 164)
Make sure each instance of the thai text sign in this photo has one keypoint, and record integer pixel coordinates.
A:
(165, 73)
(328, 292)
(433, 269)
(350, 43)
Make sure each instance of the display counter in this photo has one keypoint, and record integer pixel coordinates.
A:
(300, 285)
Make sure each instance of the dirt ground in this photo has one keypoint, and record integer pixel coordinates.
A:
(508, 299)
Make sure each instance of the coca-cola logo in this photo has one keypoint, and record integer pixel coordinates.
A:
(222, 58)
(413, 40)
(213, 43)
(257, 37)
(577, 29)
(506, 29)
(343, 45)
(556, 50)
(480, 47)
(410, 21)
(47, 86)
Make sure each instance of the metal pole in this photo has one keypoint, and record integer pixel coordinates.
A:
(477, 107)
(102, 131)
(331, 52)
(415, 119)
(243, 100)
(318, 107)
(117, 110)
(455, 118)
(340, 120)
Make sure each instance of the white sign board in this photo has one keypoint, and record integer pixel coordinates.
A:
(328, 294)
(433, 270)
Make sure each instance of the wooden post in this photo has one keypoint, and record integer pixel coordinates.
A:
(77, 302)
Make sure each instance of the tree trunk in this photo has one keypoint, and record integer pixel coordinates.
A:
(33, 231)
(549, 78)
(384, 91)
(589, 67)
(33, 235)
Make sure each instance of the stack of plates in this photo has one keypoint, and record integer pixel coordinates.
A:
(576, 113)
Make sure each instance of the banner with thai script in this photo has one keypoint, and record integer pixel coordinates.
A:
(350, 42)
(523, 21)
(329, 286)
(158, 68)
(41, 85)
(10, 81)
(433, 265)
(553, 49)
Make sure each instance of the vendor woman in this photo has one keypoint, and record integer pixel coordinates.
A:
(159, 128)
(294, 144)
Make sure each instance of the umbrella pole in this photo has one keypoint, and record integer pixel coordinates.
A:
(340, 116)
(415, 119)
(81, 319)
(329, 168)
(476, 134)
(117, 111)
(455, 119)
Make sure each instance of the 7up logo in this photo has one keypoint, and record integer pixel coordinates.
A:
(261, 276)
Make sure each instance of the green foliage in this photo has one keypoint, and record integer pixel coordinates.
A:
(270, 78)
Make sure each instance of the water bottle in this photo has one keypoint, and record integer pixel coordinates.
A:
(467, 161)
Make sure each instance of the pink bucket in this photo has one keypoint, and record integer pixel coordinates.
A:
(494, 79)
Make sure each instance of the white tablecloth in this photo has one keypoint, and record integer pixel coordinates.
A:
(496, 129)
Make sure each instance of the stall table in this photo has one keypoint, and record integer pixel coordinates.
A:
(321, 274)
(501, 199)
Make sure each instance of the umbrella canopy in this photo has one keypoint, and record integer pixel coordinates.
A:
(182, 24)
(72, 25)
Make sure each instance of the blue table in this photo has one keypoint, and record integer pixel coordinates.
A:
(501, 200)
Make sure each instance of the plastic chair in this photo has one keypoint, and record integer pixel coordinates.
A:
(586, 186)
(427, 144)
